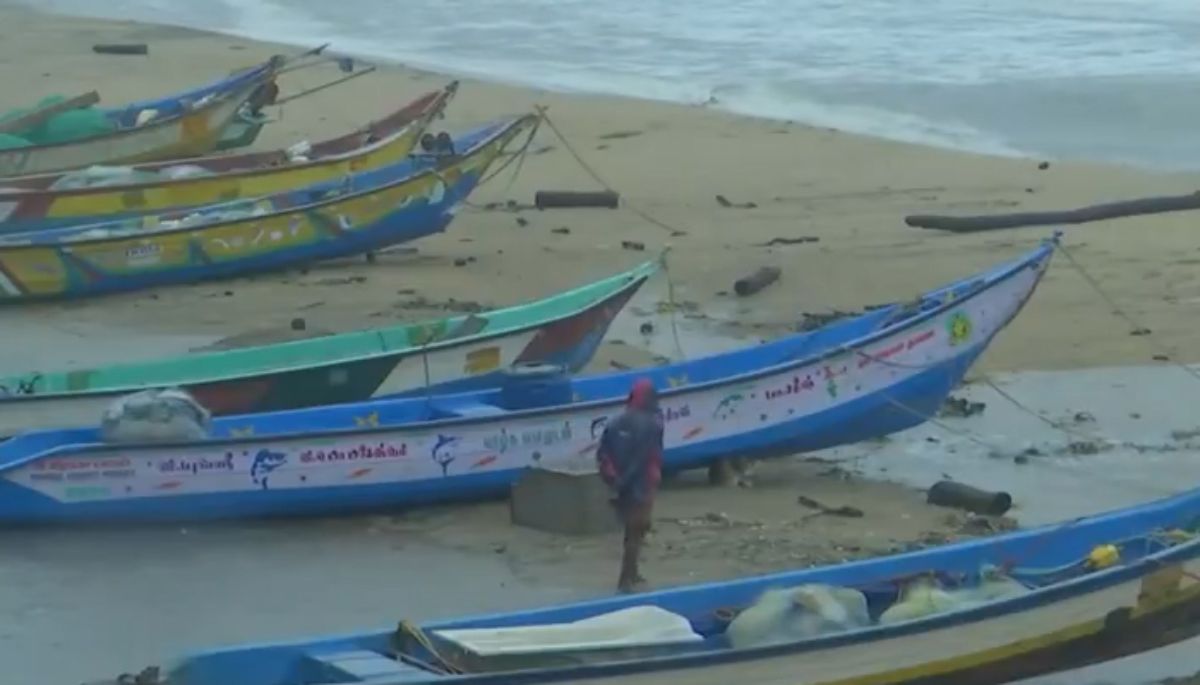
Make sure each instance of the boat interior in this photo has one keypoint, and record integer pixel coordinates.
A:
(936, 588)
(543, 386)
(261, 208)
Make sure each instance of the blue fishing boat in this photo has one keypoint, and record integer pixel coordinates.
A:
(866, 376)
(982, 612)
(354, 214)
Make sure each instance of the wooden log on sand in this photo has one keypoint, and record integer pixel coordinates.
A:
(1110, 210)
(548, 199)
(756, 281)
(121, 49)
(948, 493)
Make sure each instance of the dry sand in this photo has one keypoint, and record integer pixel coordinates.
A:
(848, 191)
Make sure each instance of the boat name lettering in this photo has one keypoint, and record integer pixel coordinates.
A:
(918, 339)
(530, 437)
(795, 386)
(142, 251)
(98, 464)
(673, 414)
(868, 357)
(23, 386)
(364, 451)
(195, 466)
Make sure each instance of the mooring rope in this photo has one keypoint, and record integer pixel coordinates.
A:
(986, 379)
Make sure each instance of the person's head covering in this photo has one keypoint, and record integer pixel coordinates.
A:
(643, 395)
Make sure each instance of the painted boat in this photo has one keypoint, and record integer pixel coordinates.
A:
(881, 372)
(30, 203)
(189, 128)
(1023, 604)
(356, 214)
(448, 355)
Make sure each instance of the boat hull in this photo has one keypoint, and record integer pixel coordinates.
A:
(1071, 613)
(338, 465)
(44, 266)
(570, 340)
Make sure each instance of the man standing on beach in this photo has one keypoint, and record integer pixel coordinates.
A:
(630, 462)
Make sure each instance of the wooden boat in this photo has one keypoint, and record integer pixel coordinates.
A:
(995, 610)
(449, 355)
(180, 128)
(883, 371)
(31, 203)
(360, 213)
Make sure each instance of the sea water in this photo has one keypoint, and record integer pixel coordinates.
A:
(1105, 80)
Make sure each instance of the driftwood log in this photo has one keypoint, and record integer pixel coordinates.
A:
(949, 493)
(756, 281)
(562, 199)
(121, 49)
(1109, 210)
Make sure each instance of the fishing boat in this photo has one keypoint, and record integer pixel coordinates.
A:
(186, 129)
(54, 200)
(355, 214)
(980, 612)
(448, 355)
(883, 371)
(241, 130)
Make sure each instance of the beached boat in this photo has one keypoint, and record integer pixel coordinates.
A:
(175, 127)
(884, 371)
(981, 612)
(51, 200)
(454, 354)
(356, 214)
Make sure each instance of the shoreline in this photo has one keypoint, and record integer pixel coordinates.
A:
(992, 147)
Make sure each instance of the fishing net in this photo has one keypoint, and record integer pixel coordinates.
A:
(167, 415)
(11, 142)
(74, 124)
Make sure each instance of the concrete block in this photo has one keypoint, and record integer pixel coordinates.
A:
(568, 499)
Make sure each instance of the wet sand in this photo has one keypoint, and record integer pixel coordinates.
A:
(117, 599)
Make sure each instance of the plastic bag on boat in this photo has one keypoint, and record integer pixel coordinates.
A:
(184, 171)
(145, 116)
(157, 415)
(784, 614)
(99, 175)
(299, 151)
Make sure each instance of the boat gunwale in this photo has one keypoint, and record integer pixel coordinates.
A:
(9, 241)
(634, 278)
(1000, 275)
(243, 93)
(438, 100)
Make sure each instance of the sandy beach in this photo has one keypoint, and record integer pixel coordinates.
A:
(850, 193)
